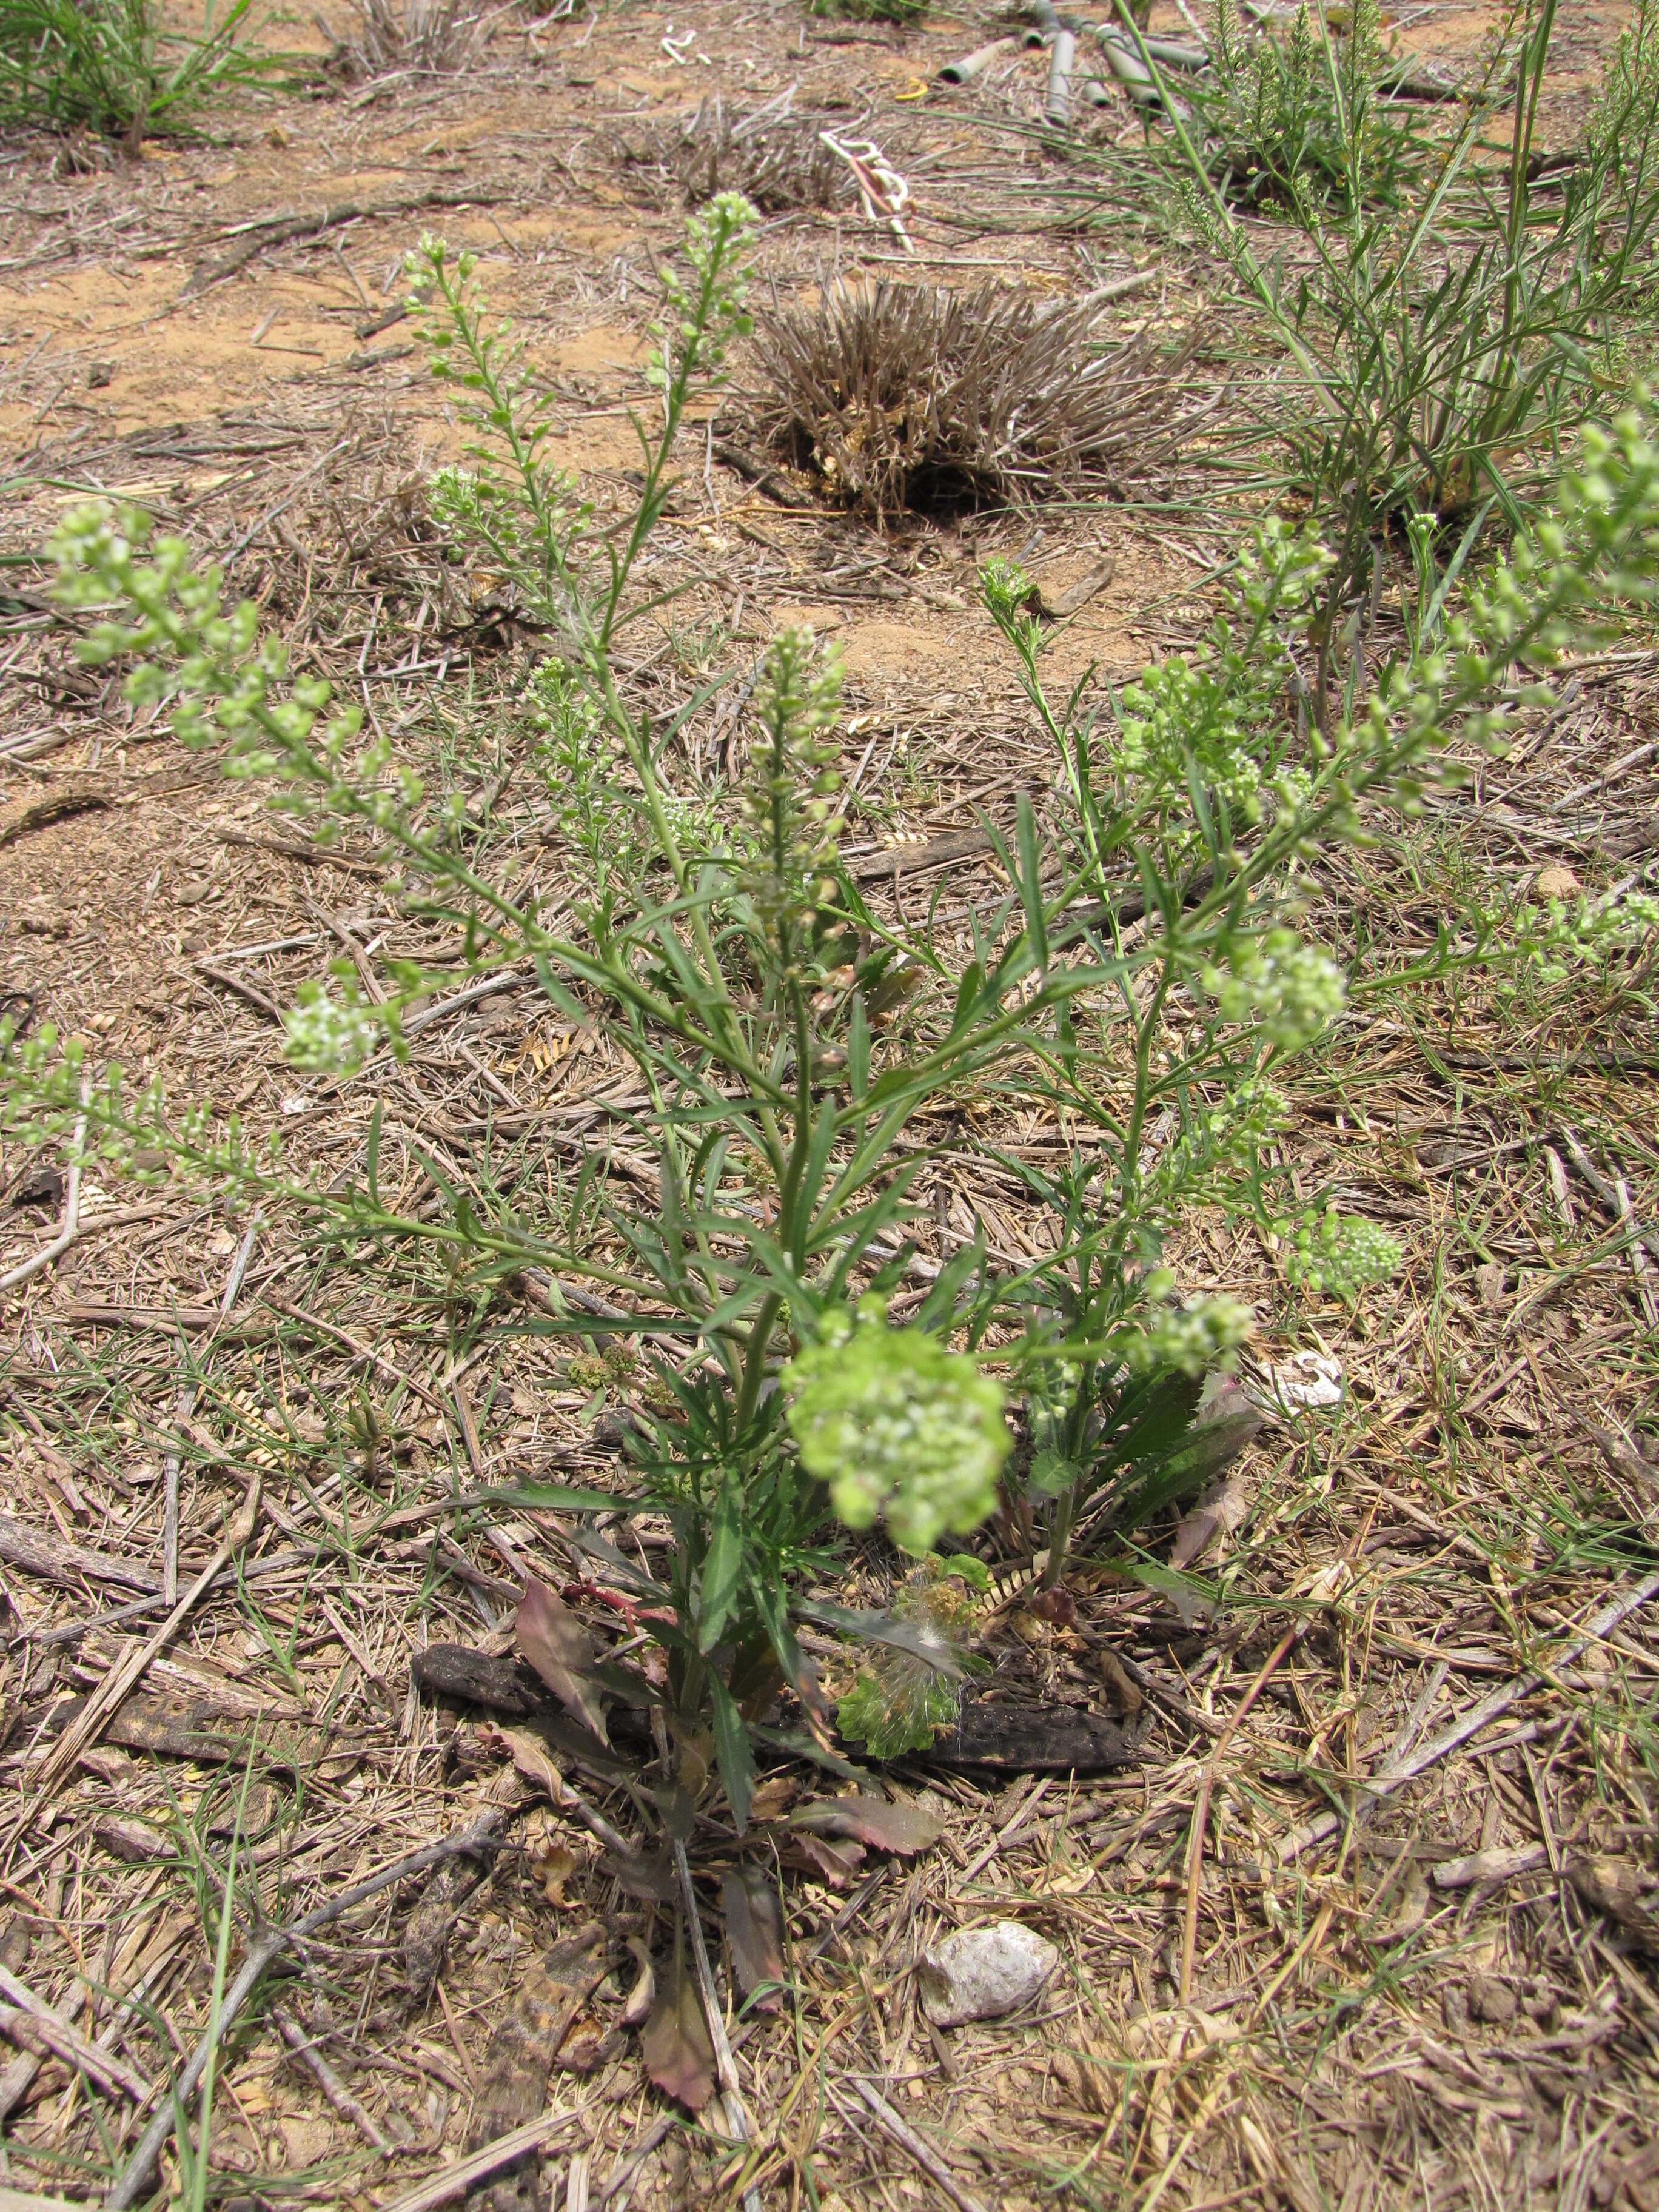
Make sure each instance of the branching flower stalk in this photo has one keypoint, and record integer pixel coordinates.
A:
(1185, 799)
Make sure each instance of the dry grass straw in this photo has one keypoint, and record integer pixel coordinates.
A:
(910, 396)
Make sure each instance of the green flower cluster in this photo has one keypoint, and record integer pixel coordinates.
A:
(331, 1035)
(1218, 1146)
(1337, 1253)
(1007, 592)
(1589, 930)
(1289, 989)
(704, 317)
(1195, 1339)
(1176, 718)
(220, 675)
(1213, 720)
(788, 797)
(898, 1426)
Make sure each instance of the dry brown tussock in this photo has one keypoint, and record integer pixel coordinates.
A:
(905, 396)
(775, 159)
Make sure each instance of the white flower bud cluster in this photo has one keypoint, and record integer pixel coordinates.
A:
(1337, 1253)
(1195, 1339)
(332, 1036)
(1287, 989)
(899, 1426)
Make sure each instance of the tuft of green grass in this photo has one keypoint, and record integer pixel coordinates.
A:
(1443, 346)
(1302, 118)
(110, 66)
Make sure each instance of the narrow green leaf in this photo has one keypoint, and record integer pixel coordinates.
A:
(722, 1567)
(968, 991)
(858, 1048)
(737, 1761)
(1030, 878)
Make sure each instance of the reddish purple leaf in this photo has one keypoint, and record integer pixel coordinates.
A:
(754, 1932)
(877, 1821)
(557, 1648)
(675, 2046)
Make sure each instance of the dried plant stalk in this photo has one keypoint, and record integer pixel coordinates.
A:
(904, 396)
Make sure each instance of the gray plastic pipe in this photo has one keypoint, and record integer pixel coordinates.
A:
(1174, 55)
(1131, 72)
(1057, 102)
(974, 64)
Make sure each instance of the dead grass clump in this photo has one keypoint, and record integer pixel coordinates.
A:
(426, 38)
(775, 159)
(364, 531)
(906, 397)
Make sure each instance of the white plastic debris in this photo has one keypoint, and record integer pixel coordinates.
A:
(979, 1973)
(1308, 1383)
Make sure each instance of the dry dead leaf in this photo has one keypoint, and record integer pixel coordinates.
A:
(773, 1797)
(754, 1929)
(643, 1994)
(836, 1863)
(1127, 1700)
(1209, 1521)
(675, 2046)
(550, 1860)
(878, 1821)
(558, 1648)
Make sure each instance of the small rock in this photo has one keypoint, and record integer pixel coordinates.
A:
(1490, 2000)
(1555, 882)
(979, 1973)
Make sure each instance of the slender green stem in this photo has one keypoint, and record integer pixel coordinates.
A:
(754, 1363)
